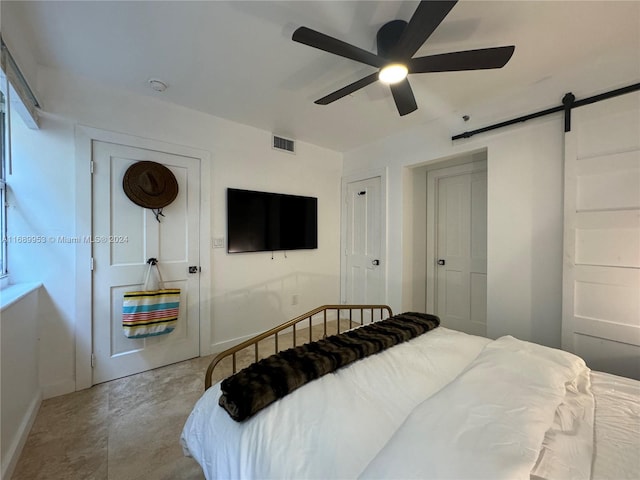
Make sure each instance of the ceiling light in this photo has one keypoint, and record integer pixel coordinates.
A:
(157, 85)
(393, 73)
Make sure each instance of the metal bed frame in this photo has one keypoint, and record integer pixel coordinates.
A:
(324, 310)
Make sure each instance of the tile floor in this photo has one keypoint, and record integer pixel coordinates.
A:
(126, 429)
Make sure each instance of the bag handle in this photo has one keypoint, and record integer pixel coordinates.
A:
(153, 262)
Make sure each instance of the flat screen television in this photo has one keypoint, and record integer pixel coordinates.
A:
(266, 222)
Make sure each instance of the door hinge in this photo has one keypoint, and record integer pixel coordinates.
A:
(92, 166)
(93, 360)
(92, 264)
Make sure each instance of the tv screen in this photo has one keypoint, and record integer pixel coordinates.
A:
(262, 221)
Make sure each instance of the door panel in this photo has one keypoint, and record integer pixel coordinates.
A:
(120, 265)
(364, 279)
(453, 240)
(479, 303)
(479, 222)
(459, 287)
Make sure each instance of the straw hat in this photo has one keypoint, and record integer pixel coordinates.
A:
(150, 184)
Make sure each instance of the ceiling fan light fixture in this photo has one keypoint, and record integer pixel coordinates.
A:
(397, 42)
(393, 73)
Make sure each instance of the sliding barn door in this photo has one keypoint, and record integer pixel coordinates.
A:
(601, 284)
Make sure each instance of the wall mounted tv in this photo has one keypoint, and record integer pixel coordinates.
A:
(265, 222)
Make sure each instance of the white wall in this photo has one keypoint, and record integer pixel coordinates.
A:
(20, 387)
(524, 265)
(41, 202)
(249, 291)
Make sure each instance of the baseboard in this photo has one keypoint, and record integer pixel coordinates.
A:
(59, 388)
(20, 438)
(221, 346)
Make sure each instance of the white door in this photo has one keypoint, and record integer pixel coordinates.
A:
(601, 271)
(363, 253)
(459, 286)
(132, 236)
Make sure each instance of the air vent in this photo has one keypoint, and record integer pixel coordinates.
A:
(284, 144)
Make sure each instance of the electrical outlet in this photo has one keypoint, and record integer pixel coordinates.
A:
(218, 242)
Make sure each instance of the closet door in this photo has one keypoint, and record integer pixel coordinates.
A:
(601, 282)
(457, 248)
(363, 252)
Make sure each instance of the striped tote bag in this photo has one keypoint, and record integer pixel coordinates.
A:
(148, 313)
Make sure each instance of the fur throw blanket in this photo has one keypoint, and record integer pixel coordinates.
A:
(262, 383)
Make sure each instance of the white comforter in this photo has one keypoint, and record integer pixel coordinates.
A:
(489, 423)
(351, 423)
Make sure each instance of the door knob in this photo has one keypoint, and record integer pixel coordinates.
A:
(375, 262)
(194, 269)
(441, 261)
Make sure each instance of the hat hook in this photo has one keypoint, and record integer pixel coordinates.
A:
(157, 212)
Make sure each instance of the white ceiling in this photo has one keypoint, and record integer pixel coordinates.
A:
(236, 59)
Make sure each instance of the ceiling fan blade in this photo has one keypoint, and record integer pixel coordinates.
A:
(344, 91)
(337, 47)
(403, 96)
(481, 59)
(423, 23)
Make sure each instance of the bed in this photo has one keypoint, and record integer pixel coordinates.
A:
(442, 404)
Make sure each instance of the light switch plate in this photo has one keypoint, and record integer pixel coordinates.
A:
(218, 242)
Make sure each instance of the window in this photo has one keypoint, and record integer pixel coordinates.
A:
(15, 96)
(3, 186)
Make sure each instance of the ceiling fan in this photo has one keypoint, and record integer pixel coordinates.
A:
(397, 42)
